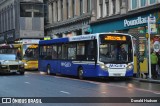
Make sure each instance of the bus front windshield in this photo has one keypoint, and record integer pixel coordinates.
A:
(116, 52)
(31, 53)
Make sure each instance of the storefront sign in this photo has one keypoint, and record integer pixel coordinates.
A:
(134, 22)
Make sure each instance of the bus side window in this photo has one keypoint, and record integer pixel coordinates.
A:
(64, 51)
(59, 52)
(80, 51)
(91, 50)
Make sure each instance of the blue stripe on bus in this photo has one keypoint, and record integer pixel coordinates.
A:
(62, 40)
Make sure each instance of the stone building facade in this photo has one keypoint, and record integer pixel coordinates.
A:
(69, 17)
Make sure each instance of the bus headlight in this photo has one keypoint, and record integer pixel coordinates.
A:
(130, 67)
(102, 66)
(25, 64)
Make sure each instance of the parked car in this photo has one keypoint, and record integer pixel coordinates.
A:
(9, 63)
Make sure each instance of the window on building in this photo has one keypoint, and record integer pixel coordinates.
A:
(67, 6)
(81, 7)
(5, 19)
(62, 9)
(38, 10)
(73, 9)
(88, 5)
(107, 7)
(134, 4)
(12, 26)
(0, 23)
(9, 17)
(26, 10)
(114, 6)
(101, 8)
(143, 3)
(57, 10)
(152, 1)
(31, 10)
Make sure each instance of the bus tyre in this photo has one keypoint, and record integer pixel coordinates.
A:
(80, 73)
(22, 73)
(48, 70)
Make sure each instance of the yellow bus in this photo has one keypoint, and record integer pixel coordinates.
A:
(30, 56)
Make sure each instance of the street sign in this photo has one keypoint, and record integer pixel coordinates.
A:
(152, 25)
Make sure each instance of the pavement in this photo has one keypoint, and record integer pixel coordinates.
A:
(149, 80)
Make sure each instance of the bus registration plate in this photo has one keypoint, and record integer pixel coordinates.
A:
(13, 70)
(117, 75)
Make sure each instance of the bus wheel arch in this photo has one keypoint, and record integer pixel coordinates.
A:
(48, 69)
(80, 72)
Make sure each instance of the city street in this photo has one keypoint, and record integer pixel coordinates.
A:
(33, 84)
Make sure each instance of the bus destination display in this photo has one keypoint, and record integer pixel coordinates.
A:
(115, 38)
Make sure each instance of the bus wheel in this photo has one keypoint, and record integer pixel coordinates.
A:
(22, 73)
(80, 73)
(48, 69)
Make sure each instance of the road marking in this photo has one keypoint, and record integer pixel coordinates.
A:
(27, 83)
(65, 92)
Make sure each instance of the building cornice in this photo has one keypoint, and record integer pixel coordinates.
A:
(128, 14)
(69, 21)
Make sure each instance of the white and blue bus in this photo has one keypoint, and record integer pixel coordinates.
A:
(93, 55)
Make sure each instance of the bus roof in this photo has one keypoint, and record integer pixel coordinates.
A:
(76, 38)
(58, 40)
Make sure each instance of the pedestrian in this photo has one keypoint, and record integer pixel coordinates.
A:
(158, 65)
(154, 61)
(18, 54)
